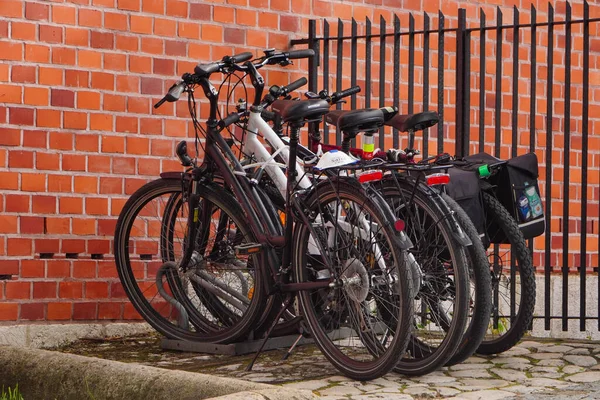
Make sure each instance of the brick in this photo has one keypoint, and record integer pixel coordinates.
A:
(111, 185)
(23, 74)
(150, 126)
(21, 116)
(70, 205)
(58, 269)
(90, 18)
(140, 24)
(115, 21)
(50, 76)
(114, 103)
(234, 35)
(76, 37)
(63, 15)
(107, 269)
(128, 84)
(87, 143)
(63, 55)
(175, 48)
(61, 141)
(59, 311)
(123, 165)
(188, 30)
(200, 11)
(101, 122)
(19, 247)
(152, 86)
(127, 124)
(73, 162)
(62, 98)
(83, 226)
(74, 120)
(176, 8)
(36, 11)
(113, 144)
(102, 40)
(44, 290)
(127, 43)
(96, 206)
(47, 161)
(9, 180)
(86, 184)
(9, 311)
(3, 29)
(85, 311)
(116, 62)
(152, 45)
(51, 34)
(18, 203)
(23, 31)
(37, 53)
(11, 8)
(77, 78)
(129, 5)
(37, 97)
(32, 268)
(96, 290)
(109, 310)
(32, 311)
(60, 183)
(17, 290)
(165, 27)
(130, 313)
(138, 105)
(153, 6)
(70, 290)
(48, 118)
(89, 59)
(102, 80)
(99, 246)
(137, 145)
(44, 204)
(8, 223)
(47, 245)
(10, 94)
(84, 269)
(164, 66)
(34, 139)
(33, 182)
(99, 163)
(31, 225)
(88, 100)
(9, 267)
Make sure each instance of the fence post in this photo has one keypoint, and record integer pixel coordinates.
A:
(313, 73)
(461, 148)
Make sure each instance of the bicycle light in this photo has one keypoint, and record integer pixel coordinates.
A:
(437, 179)
(370, 176)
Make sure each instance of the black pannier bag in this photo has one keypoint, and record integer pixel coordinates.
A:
(517, 189)
(464, 189)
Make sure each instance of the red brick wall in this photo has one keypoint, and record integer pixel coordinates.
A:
(78, 133)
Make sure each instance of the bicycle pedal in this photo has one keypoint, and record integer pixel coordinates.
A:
(247, 249)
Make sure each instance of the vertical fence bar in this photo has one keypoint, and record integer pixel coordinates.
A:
(326, 42)
(482, 58)
(466, 131)
(353, 64)
(411, 63)
(440, 127)
(532, 89)
(515, 110)
(584, 166)
(426, 34)
(460, 82)
(313, 66)
(339, 71)
(566, 170)
(498, 82)
(368, 63)
(382, 29)
(549, 115)
(395, 139)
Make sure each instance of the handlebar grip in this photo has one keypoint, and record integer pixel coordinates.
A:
(295, 85)
(160, 103)
(305, 53)
(347, 92)
(230, 119)
(238, 58)
(181, 152)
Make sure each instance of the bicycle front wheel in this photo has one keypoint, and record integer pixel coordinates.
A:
(218, 297)
(361, 320)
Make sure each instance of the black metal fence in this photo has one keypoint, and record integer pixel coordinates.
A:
(506, 89)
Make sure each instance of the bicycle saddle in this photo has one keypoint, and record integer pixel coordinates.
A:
(354, 121)
(299, 110)
(414, 122)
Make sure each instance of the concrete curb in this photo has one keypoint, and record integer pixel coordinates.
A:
(45, 374)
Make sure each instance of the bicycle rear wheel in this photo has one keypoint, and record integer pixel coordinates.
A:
(441, 305)
(219, 296)
(513, 282)
(362, 319)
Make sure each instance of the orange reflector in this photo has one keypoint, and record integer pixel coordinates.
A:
(370, 176)
(399, 225)
(437, 179)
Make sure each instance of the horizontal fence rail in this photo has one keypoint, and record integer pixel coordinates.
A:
(506, 88)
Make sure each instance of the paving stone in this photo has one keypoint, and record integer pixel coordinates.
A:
(521, 389)
(447, 392)
(307, 385)
(510, 374)
(340, 390)
(510, 360)
(516, 351)
(476, 373)
(390, 396)
(551, 363)
(484, 383)
(579, 350)
(557, 349)
(434, 378)
(591, 376)
(476, 360)
(545, 382)
(530, 344)
(582, 361)
(573, 369)
(462, 367)
(545, 356)
(486, 395)
(420, 391)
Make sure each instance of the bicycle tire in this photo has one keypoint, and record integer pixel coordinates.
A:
(440, 320)
(327, 311)
(481, 287)
(139, 211)
(525, 275)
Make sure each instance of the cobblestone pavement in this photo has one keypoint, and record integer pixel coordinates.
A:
(530, 370)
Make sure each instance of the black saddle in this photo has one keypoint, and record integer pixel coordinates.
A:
(354, 121)
(300, 110)
(414, 122)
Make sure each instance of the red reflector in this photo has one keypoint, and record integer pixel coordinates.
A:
(370, 176)
(399, 225)
(437, 179)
